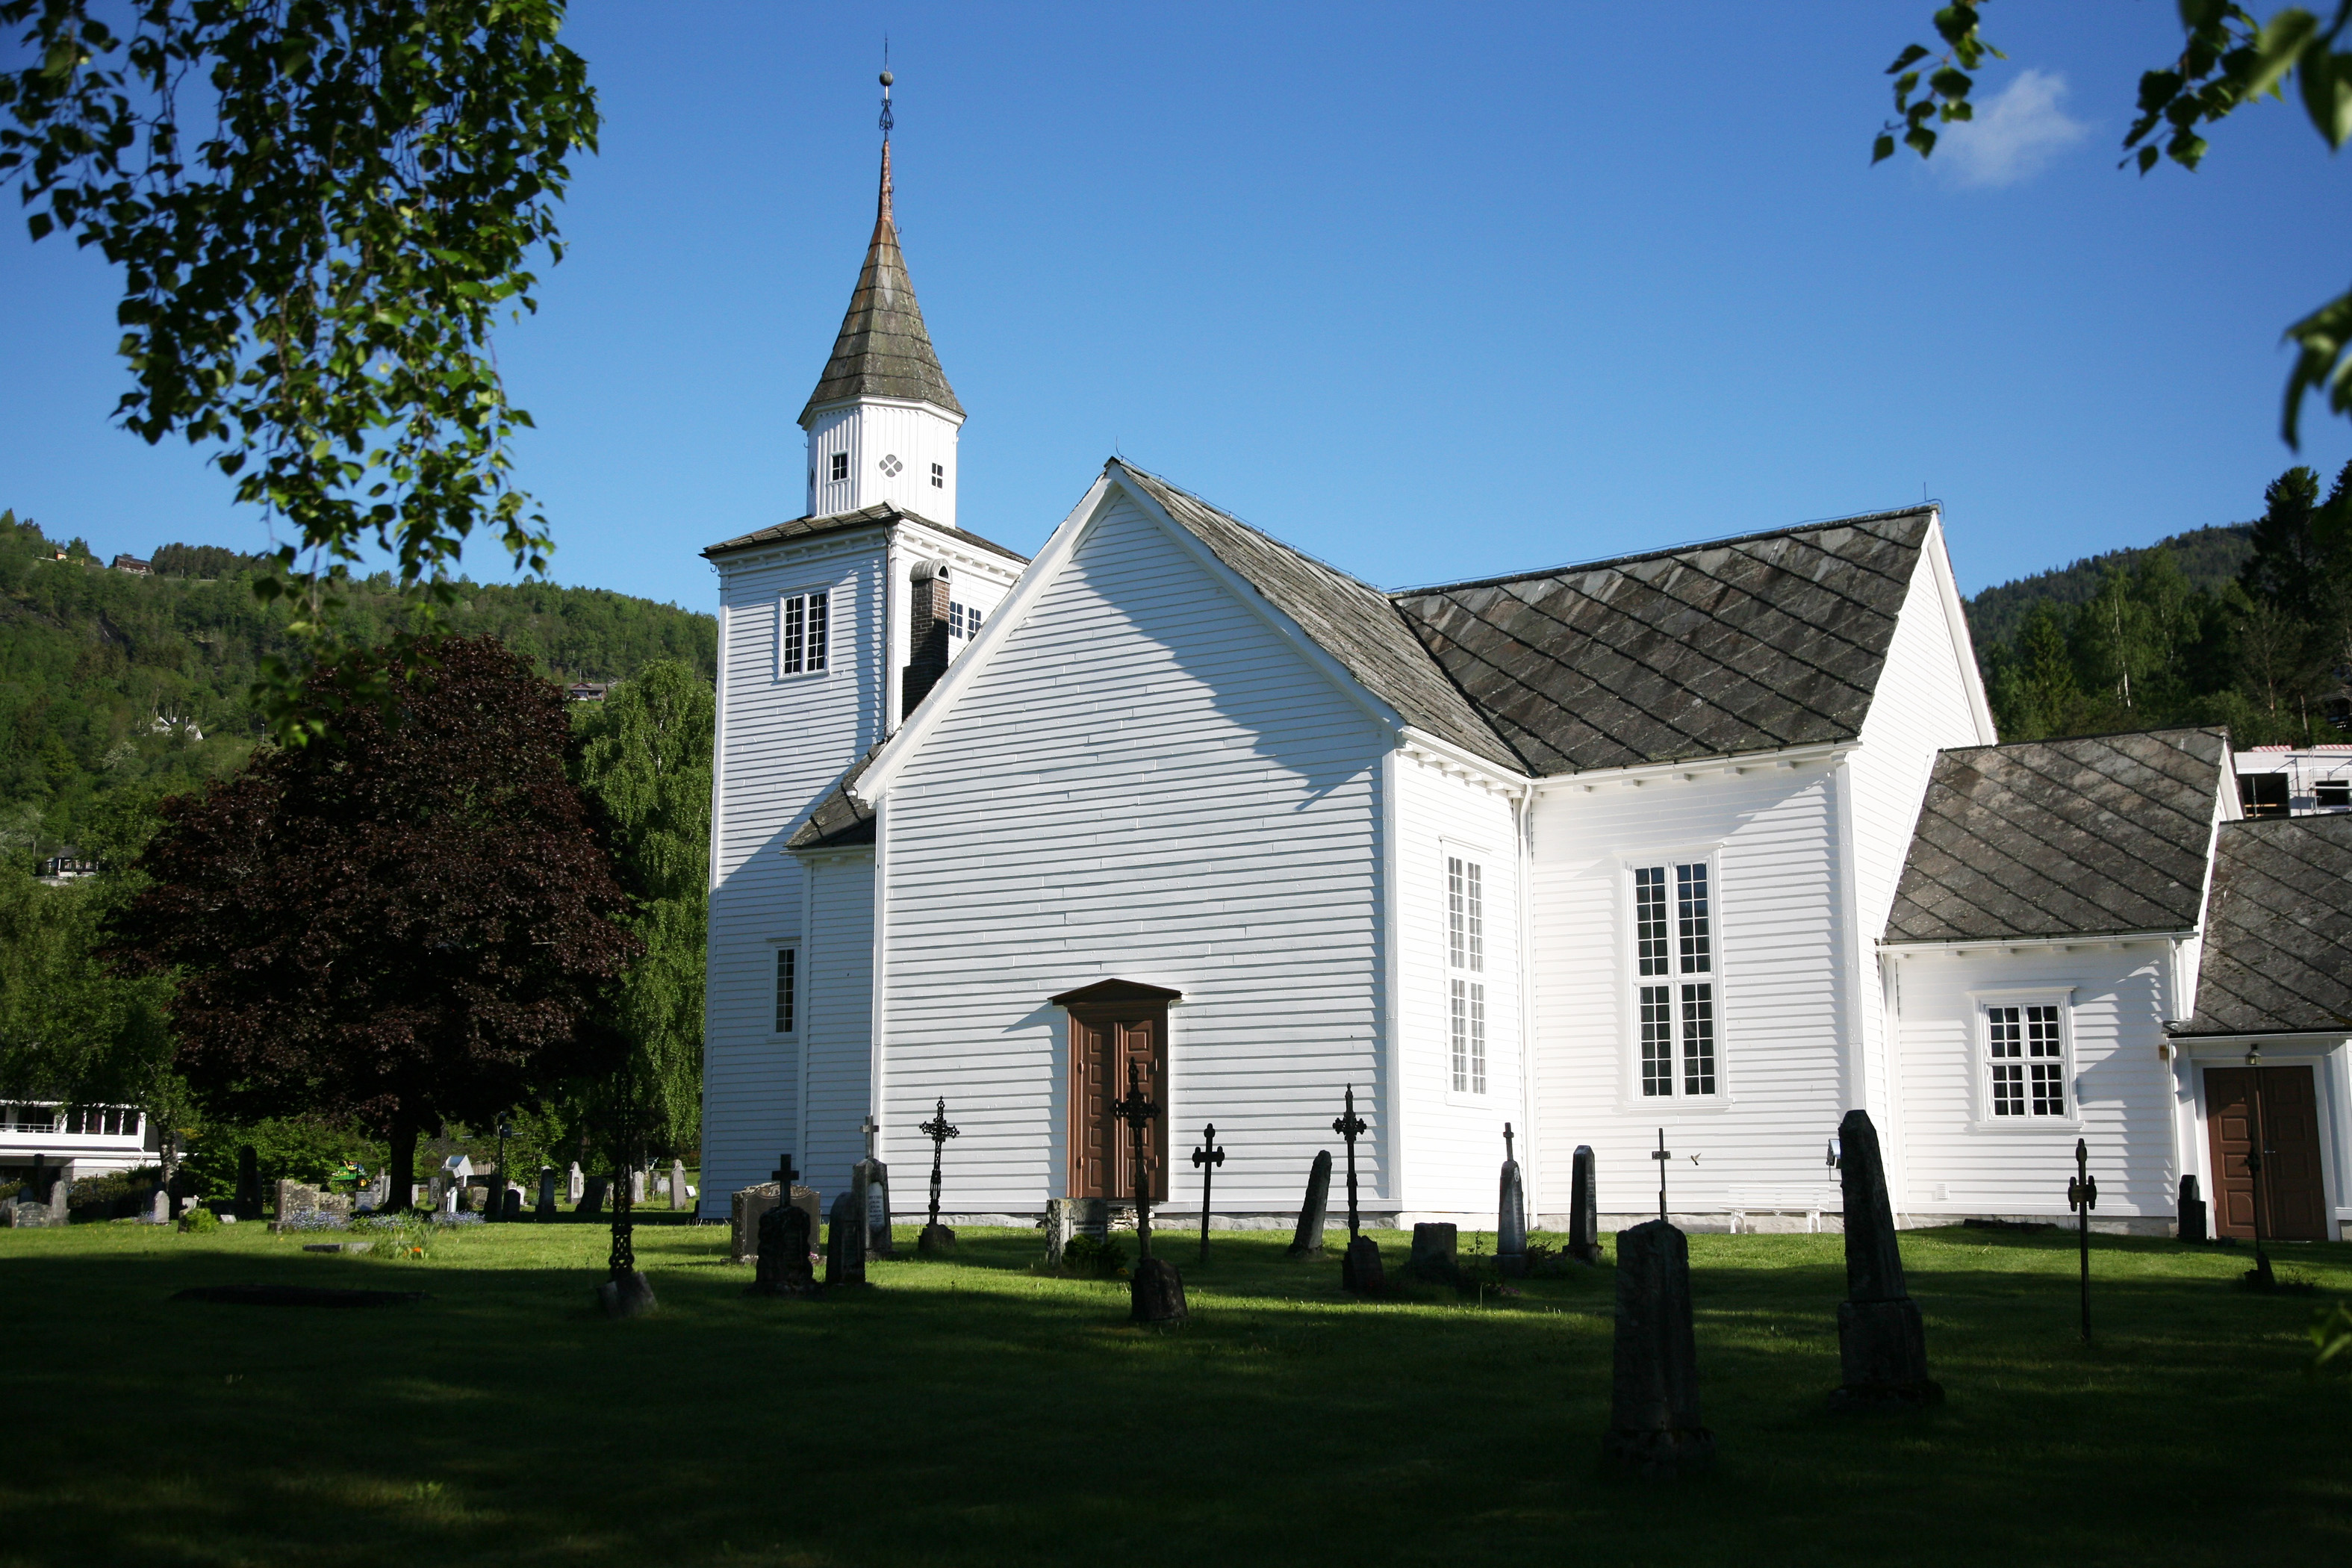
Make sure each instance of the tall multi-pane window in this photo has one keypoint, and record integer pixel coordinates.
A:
(803, 630)
(1673, 944)
(787, 990)
(1465, 957)
(2028, 1065)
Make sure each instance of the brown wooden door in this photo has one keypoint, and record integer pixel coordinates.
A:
(2294, 1197)
(1103, 1043)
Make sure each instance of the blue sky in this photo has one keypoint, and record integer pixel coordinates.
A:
(1432, 292)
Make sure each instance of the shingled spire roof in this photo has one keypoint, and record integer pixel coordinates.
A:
(884, 350)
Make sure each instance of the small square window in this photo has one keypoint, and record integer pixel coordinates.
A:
(939, 475)
(840, 466)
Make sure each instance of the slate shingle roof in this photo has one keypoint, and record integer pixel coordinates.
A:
(837, 818)
(1350, 620)
(2278, 933)
(883, 349)
(2040, 839)
(879, 515)
(1744, 645)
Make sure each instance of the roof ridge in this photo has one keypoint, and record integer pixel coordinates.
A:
(1683, 549)
(2220, 729)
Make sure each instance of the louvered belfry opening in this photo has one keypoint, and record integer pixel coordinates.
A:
(927, 635)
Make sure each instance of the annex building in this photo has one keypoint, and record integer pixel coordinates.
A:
(1713, 843)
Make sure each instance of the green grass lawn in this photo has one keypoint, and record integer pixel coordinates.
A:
(979, 1414)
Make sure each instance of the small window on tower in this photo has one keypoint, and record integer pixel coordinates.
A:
(891, 466)
(840, 466)
(939, 475)
(955, 620)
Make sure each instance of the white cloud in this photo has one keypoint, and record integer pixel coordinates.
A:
(2015, 133)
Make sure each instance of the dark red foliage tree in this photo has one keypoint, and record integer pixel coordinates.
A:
(409, 924)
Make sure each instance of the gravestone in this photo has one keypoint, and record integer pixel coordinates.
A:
(61, 1180)
(1510, 1215)
(1359, 1268)
(248, 1182)
(1653, 1422)
(1434, 1253)
(1583, 1209)
(546, 1193)
(514, 1207)
(1307, 1241)
(637, 1187)
(296, 1198)
(592, 1197)
(574, 1184)
(746, 1206)
(876, 1177)
(450, 1200)
(2193, 1211)
(844, 1240)
(435, 1187)
(1059, 1224)
(676, 1184)
(783, 1255)
(158, 1208)
(1156, 1294)
(630, 1296)
(1881, 1346)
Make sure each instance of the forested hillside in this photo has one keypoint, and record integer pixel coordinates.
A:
(115, 684)
(2248, 625)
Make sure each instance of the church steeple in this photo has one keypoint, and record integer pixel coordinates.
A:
(882, 421)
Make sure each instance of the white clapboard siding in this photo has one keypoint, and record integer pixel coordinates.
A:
(1962, 1160)
(1453, 1141)
(783, 740)
(838, 987)
(1921, 705)
(1780, 989)
(1144, 782)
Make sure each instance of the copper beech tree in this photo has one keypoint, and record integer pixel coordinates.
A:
(407, 922)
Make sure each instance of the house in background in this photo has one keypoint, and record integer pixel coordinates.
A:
(2294, 780)
(1699, 847)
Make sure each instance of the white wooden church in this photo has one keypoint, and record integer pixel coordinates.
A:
(1712, 843)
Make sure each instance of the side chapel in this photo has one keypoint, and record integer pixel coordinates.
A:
(1716, 840)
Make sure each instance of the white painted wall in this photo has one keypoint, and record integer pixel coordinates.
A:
(782, 740)
(1145, 780)
(1964, 1161)
(837, 988)
(1452, 1142)
(870, 430)
(1781, 978)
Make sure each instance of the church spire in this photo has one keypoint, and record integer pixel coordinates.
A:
(883, 349)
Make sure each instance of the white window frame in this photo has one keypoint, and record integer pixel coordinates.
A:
(1631, 983)
(1468, 999)
(1980, 1087)
(831, 595)
(779, 999)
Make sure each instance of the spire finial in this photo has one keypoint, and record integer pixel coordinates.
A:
(886, 123)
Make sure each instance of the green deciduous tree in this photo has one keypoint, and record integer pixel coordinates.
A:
(406, 923)
(321, 208)
(644, 757)
(2228, 60)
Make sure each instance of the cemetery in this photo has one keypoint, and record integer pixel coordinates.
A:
(1241, 1395)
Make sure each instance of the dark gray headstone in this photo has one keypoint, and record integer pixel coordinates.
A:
(1434, 1255)
(1359, 1268)
(2193, 1211)
(628, 1297)
(592, 1196)
(1654, 1420)
(512, 1208)
(1157, 1292)
(1307, 1241)
(844, 1249)
(783, 1267)
(1583, 1209)
(546, 1193)
(1882, 1344)
(1511, 1223)
(248, 1182)
(937, 1241)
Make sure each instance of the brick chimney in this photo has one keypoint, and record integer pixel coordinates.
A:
(927, 635)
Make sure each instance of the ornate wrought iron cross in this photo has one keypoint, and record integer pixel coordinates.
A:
(1349, 1125)
(2082, 1196)
(1661, 1155)
(1208, 1156)
(1136, 1111)
(939, 1131)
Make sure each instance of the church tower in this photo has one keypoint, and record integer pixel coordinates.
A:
(882, 422)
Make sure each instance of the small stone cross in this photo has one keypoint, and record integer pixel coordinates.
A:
(939, 1131)
(1507, 1155)
(1208, 1157)
(872, 1129)
(784, 1176)
(1662, 1156)
(1136, 1111)
(1349, 1125)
